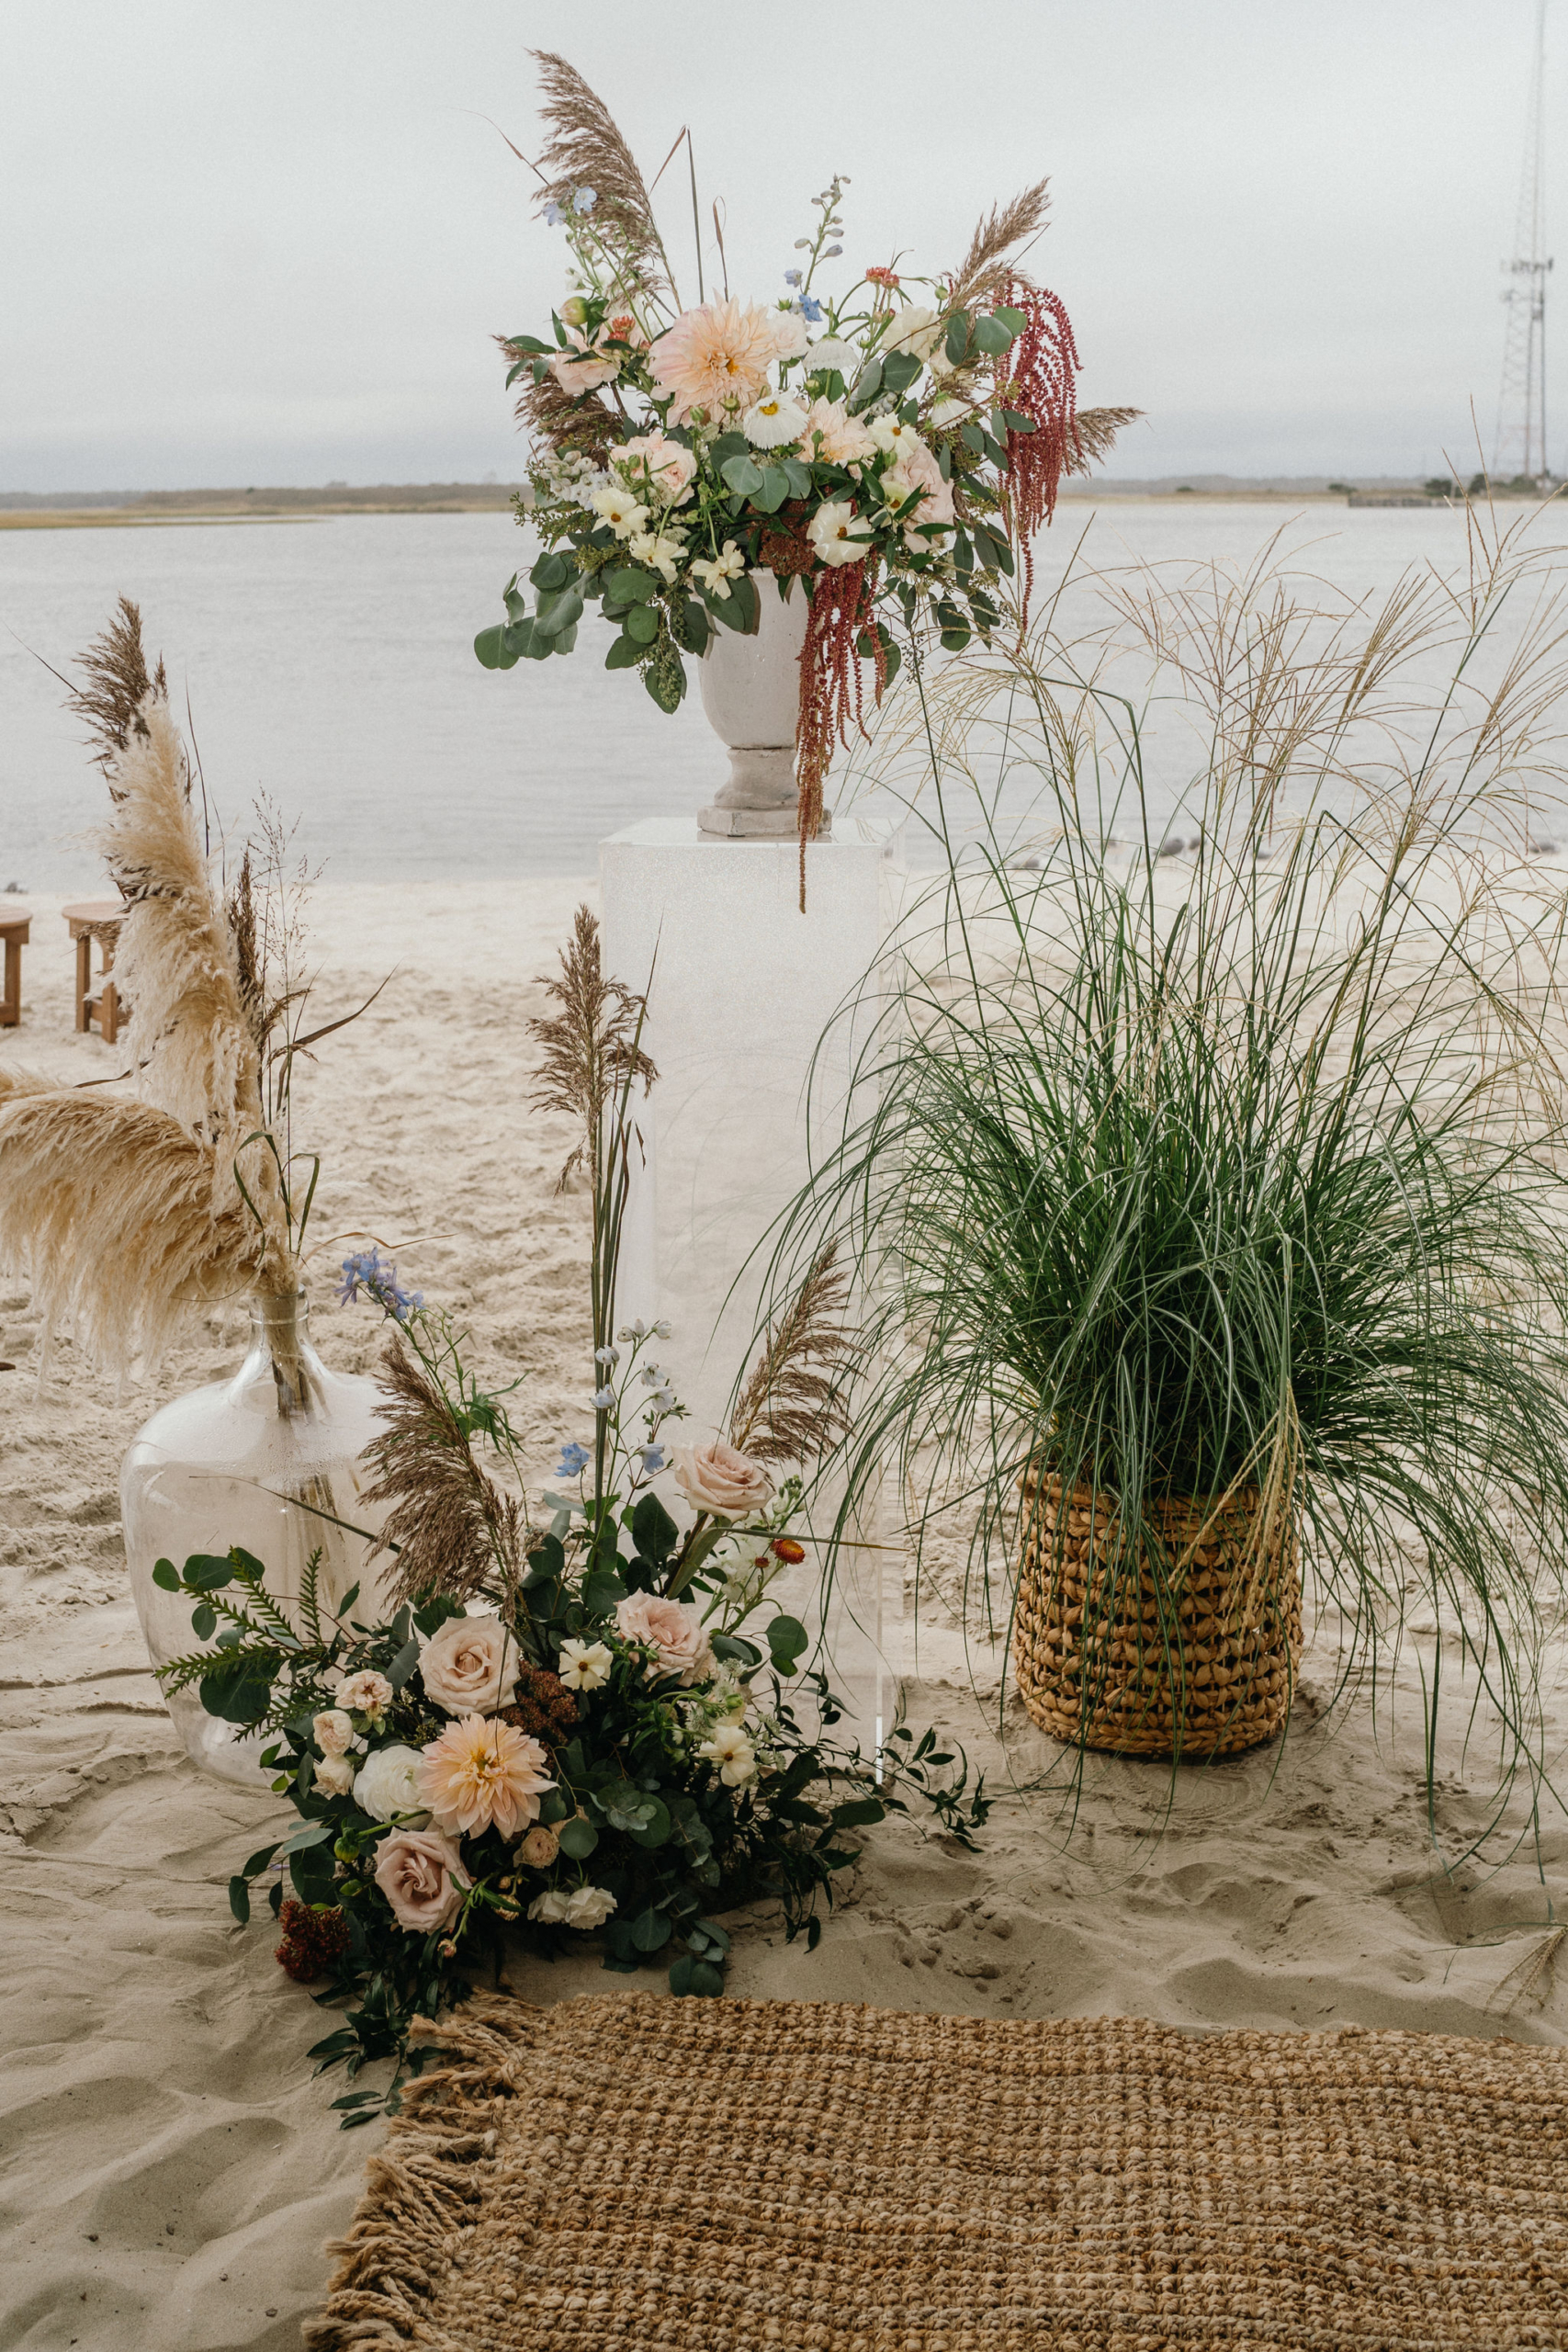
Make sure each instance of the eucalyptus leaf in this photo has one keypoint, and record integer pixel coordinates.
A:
(625, 654)
(631, 586)
(578, 1839)
(641, 624)
(992, 336)
(742, 474)
(166, 1577)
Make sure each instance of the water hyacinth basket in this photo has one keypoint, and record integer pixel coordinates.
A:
(1191, 1652)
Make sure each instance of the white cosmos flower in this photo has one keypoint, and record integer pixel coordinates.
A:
(892, 433)
(774, 420)
(585, 1665)
(733, 1753)
(829, 531)
(620, 510)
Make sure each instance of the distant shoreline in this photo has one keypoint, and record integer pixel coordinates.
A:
(120, 510)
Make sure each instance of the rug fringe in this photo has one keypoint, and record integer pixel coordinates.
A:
(387, 2266)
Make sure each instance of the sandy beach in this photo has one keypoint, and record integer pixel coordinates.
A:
(171, 2173)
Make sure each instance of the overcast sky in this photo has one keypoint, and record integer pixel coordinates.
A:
(268, 244)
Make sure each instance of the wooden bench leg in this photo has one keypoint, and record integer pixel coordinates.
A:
(108, 1012)
(83, 980)
(11, 1002)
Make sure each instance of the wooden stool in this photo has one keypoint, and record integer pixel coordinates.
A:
(13, 922)
(98, 919)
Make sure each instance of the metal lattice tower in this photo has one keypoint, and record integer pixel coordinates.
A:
(1520, 443)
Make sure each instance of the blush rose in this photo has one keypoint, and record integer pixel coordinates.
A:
(420, 1875)
(672, 1629)
(470, 1665)
(718, 1479)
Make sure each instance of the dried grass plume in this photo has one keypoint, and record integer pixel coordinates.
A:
(792, 1406)
(452, 1527)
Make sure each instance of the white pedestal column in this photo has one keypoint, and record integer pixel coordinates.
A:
(741, 987)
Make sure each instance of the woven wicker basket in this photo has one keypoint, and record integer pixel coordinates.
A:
(1214, 1678)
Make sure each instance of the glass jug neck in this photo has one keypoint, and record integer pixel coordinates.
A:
(281, 1358)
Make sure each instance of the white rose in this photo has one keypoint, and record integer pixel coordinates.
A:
(469, 1666)
(386, 1786)
(333, 1731)
(915, 329)
(336, 1774)
(789, 333)
(584, 1907)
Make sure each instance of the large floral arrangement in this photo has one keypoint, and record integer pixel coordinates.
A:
(596, 1721)
(893, 446)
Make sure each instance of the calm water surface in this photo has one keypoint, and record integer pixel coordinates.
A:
(329, 664)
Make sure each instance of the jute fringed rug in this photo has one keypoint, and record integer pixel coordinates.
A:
(634, 2174)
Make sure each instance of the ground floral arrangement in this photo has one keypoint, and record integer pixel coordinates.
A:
(889, 447)
(602, 1725)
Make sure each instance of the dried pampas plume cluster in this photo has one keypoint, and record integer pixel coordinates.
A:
(793, 1406)
(121, 1213)
(451, 1527)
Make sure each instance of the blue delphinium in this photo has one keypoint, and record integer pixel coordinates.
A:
(377, 1276)
(554, 214)
(810, 309)
(792, 277)
(653, 1458)
(573, 1462)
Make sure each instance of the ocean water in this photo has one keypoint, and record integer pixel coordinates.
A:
(328, 665)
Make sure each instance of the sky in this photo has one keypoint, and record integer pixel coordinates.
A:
(269, 244)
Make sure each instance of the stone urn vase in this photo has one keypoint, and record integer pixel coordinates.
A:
(270, 1461)
(751, 689)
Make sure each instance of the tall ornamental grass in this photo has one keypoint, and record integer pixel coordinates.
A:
(1240, 1170)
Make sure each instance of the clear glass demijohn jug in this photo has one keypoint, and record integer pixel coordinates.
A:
(270, 1461)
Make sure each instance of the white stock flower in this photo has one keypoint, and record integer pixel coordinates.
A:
(733, 1753)
(386, 1786)
(585, 1665)
(773, 422)
(620, 510)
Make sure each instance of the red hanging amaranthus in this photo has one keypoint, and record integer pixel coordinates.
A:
(832, 693)
(1045, 360)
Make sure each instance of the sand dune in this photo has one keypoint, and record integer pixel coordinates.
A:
(169, 2172)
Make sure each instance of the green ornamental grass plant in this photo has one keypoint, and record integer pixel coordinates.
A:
(1237, 1178)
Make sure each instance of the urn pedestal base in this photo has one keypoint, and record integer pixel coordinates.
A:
(757, 824)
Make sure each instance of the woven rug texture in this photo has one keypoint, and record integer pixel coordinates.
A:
(634, 2174)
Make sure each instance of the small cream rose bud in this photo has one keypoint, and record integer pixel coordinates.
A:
(539, 1847)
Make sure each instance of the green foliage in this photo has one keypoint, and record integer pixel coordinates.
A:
(1246, 1177)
